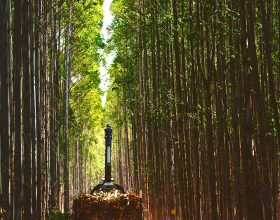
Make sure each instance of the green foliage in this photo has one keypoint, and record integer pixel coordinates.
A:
(86, 112)
(88, 40)
(57, 214)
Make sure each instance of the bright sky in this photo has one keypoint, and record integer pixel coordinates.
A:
(105, 78)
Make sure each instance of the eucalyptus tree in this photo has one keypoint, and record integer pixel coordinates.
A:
(40, 45)
(198, 82)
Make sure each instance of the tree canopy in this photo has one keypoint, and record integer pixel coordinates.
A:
(193, 100)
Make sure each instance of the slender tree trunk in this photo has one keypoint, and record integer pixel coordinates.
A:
(66, 120)
(5, 145)
(17, 58)
(26, 113)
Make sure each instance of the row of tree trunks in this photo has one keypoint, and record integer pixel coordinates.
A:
(202, 111)
(31, 90)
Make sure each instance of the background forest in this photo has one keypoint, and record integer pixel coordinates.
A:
(193, 101)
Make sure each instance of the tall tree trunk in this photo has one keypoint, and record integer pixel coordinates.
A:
(26, 113)
(66, 115)
(17, 58)
(39, 100)
(5, 145)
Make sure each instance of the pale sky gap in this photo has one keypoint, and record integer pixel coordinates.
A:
(104, 76)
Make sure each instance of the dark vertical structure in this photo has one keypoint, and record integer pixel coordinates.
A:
(108, 149)
(5, 148)
(17, 62)
(38, 99)
(26, 113)
(108, 184)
